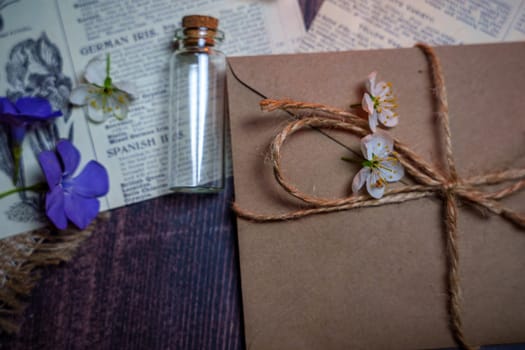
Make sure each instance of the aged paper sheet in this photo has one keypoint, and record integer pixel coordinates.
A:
(366, 24)
(45, 55)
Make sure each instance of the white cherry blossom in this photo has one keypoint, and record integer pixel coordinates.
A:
(380, 103)
(102, 97)
(380, 166)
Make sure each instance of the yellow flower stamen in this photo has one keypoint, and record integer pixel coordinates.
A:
(379, 183)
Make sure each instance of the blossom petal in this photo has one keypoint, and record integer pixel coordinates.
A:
(381, 89)
(387, 144)
(18, 133)
(80, 210)
(95, 109)
(391, 169)
(388, 118)
(79, 95)
(127, 87)
(13, 120)
(36, 107)
(360, 179)
(121, 111)
(50, 167)
(69, 155)
(55, 207)
(367, 103)
(118, 104)
(379, 144)
(93, 181)
(371, 82)
(33, 105)
(7, 107)
(375, 185)
(372, 121)
(96, 71)
(364, 147)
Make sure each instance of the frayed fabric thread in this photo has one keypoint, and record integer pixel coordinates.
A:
(21, 257)
(430, 181)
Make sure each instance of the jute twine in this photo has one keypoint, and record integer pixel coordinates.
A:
(20, 258)
(445, 184)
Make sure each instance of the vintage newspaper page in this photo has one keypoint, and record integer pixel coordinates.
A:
(367, 24)
(138, 34)
(45, 55)
(34, 61)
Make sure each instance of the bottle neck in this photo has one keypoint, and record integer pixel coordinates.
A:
(198, 37)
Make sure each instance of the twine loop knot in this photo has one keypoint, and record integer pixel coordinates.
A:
(450, 187)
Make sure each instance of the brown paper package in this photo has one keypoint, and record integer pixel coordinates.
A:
(374, 278)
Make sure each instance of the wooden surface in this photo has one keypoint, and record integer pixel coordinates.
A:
(162, 274)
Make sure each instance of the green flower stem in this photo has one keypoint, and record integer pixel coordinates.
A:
(107, 81)
(369, 164)
(355, 105)
(352, 160)
(108, 61)
(17, 154)
(39, 187)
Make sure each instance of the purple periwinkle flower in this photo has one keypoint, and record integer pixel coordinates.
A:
(25, 112)
(72, 198)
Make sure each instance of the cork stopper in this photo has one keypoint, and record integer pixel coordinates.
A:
(197, 21)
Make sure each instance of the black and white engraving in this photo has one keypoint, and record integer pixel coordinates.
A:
(34, 69)
(3, 5)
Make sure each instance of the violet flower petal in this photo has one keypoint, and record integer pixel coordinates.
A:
(55, 207)
(36, 107)
(7, 107)
(71, 198)
(18, 133)
(9, 113)
(80, 210)
(93, 181)
(51, 168)
(69, 155)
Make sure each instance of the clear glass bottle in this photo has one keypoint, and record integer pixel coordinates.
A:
(196, 108)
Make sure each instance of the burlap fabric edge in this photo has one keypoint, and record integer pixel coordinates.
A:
(21, 258)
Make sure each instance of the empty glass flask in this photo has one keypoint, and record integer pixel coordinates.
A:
(196, 108)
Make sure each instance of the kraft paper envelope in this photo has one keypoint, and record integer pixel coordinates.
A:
(374, 278)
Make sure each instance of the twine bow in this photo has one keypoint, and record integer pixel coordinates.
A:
(430, 182)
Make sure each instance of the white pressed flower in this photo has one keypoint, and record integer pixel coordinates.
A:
(102, 97)
(380, 166)
(380, 103)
